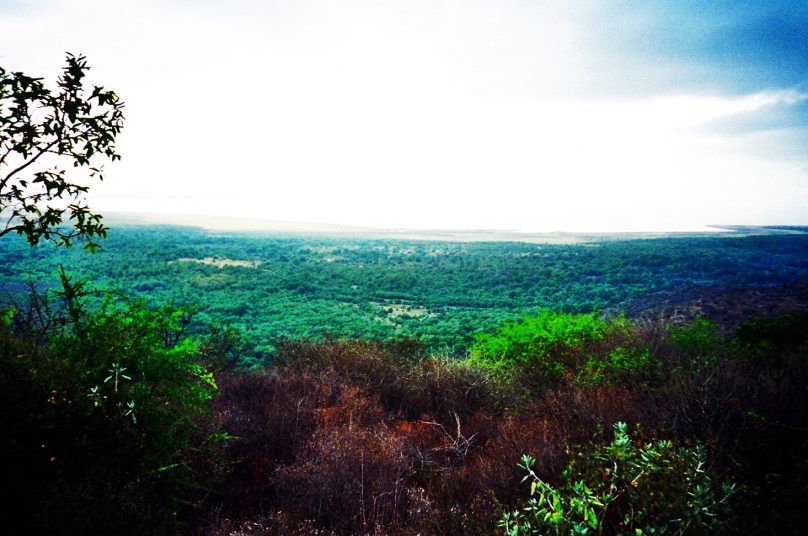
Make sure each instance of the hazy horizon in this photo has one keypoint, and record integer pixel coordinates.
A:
(258, 224)
(601, 116)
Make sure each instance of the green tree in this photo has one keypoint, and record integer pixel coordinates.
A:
(51, 142)
(550, 343)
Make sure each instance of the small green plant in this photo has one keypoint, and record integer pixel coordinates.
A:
(623, 488)
(116, 374)
(6, 316)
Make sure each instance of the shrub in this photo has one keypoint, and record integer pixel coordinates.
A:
(537, 339)
(698, 340)
(402, 379)
(227, 348)
(543, 349)
(620, 362)
(624, 488)
(351, 475)
(774, 340)
(106, 417)
(315, 446)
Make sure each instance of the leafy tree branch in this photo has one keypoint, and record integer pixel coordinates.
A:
(50, 143)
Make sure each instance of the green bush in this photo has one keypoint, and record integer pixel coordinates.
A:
(617, 363)
(549, 346)
(774, 340)
(106, 415)
(624, 488)
(535, 340)
(699, 340)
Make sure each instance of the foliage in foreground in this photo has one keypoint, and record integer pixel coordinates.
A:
(351, 437)
(104, 413)
(356, 437)
(624, 488)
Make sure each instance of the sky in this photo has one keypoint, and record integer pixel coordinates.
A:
(534, 116)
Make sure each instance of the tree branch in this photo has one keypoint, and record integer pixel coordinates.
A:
(7, 230)
(8, 152)
(28, 163)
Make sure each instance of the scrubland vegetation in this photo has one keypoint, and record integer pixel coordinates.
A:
(186, 382)
(440, 293)
(123, 414)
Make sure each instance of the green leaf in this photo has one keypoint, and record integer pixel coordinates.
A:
(592, 517)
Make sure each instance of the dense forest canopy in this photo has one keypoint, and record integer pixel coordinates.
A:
(438, 292)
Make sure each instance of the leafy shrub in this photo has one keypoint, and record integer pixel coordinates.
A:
(106, 411)
(619, 362)
(624, 488)
(550, 346)
(227, 348)
(536, 339)
(699, 340)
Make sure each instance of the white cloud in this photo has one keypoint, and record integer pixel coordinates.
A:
(424, 114)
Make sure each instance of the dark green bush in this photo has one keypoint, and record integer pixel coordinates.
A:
(105, 411)
(698, 340)
(774, 339)
(625, 487)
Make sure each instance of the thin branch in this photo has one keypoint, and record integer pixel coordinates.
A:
(28, 163)
(8, 152)
(7, 230)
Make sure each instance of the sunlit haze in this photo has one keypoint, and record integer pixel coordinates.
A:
(523, 115)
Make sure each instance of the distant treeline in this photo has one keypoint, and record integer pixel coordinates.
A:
(437, 292)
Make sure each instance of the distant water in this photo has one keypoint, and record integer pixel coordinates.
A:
(635, 229)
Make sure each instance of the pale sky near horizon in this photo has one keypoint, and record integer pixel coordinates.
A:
(509, 114)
